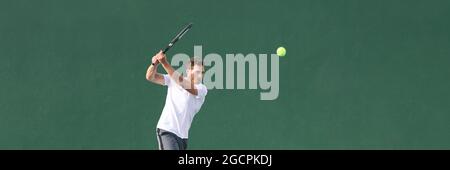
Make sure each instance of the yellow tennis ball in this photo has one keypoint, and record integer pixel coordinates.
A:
(281, 51)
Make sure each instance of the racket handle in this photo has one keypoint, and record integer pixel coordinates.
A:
(167, 48)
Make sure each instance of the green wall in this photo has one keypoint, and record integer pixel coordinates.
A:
(358, 74)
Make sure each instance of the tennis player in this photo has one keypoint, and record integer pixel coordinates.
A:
(185, 97)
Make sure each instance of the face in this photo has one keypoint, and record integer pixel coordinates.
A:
(196, 73)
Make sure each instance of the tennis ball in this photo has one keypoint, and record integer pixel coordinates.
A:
(281, 51)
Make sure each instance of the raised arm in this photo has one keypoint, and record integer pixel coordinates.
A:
(180, 80)
(152, 74)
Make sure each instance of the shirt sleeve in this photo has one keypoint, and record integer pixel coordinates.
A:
(167, 81)
(201, 90)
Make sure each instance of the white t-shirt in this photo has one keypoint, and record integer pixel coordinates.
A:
(180, 108)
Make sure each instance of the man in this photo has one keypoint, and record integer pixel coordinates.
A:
(185, 97)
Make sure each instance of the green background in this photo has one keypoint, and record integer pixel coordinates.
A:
(358, 74)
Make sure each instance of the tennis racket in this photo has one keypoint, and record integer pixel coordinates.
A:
(178, 37)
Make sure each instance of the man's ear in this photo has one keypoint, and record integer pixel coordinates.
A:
(187, 66)
(188, 70)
